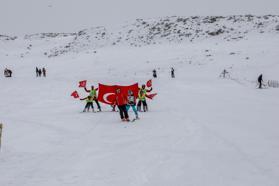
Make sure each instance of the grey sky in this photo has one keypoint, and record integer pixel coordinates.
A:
(32, 16)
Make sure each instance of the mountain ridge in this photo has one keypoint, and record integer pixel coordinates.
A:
(143, 32)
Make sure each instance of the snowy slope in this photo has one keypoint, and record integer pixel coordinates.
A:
(201, 130)
(144, 32)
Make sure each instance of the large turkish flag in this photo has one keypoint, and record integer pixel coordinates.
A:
(107, 92)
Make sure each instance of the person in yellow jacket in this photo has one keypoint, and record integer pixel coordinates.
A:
(93, 94)
(89, 103)
(142, 98)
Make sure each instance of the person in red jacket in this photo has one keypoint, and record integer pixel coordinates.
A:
(121, 102)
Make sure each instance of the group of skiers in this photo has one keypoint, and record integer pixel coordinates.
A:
(8, 72)
(40, 72)
(154, 72)
(122, 101)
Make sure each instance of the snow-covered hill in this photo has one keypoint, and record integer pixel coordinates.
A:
(201, 130)
(154, 31)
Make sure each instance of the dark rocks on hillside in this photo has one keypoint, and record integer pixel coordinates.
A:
(7, 38)
(48, 35)
(216, 33)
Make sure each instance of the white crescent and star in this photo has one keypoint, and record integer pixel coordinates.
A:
(106, 97)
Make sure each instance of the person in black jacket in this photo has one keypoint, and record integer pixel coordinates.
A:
(154, 73)
(260, 80)
(172, 72)
(37, 72)
(44, 72)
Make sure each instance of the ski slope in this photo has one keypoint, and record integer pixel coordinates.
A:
(201, 130)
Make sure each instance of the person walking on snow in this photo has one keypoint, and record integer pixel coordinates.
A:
(89, 103)
(44, 72)
(142, 98)
(121, 102)
(40, 72)
(260, 80)
(154, 73)
(37, 72)
(132, 103)
(172, 72)
(93, 93)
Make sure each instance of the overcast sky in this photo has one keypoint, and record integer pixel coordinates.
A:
(32, 16)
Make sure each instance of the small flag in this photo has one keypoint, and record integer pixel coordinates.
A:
(149, 83)
(75, 94)
(82, 83)
(151, 96)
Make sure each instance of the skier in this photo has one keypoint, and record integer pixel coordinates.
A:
(37, 72)
(121, 102)
(40, 72)
(44, 72)
(132, 103)
(7, 72)
(93, 93)
(10, 72)
(154, 73)
(260, 80)
(89, 103)
(142, 98)
(224, 73)
(172, 72)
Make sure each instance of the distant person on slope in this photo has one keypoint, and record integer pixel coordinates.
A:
(8, 72)
(44, 72)
(40, 72)
(260, 80)
(89, 103)
(224, 73)
(142, 98)
(93, 93)
(121, 102)
(132, 103)
(154, 73)
(172, 72)
(37, 72)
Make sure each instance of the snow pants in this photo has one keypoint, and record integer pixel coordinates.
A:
(134, 109)
(98, 104)
(143, 102)
(123, 112)
(87, 106)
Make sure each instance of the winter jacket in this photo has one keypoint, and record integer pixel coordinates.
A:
(131, 100)
(142, 94)
(120, 99)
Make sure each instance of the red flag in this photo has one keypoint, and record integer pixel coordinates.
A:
(149, 83)
(75, 94)
(82, 83)
(151, 96)
(107, 92)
